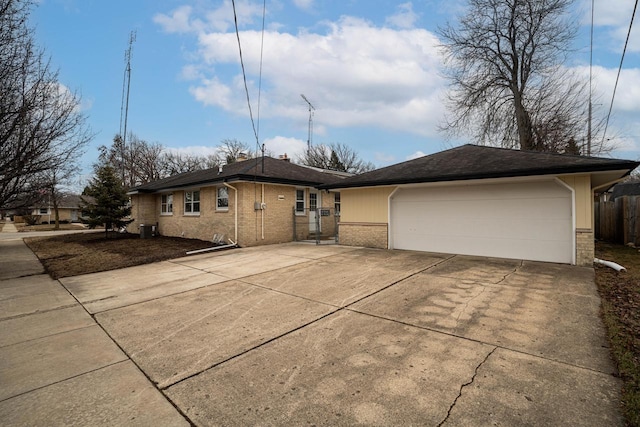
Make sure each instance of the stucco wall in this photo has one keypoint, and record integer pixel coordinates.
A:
(365, 205)
(581, 185)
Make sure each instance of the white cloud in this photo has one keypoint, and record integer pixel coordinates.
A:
(280, 145)
(384, 158)
(628, 92)
(356, 74)
(181, 19)
(404, 18)
(615, 17)
(303, 4)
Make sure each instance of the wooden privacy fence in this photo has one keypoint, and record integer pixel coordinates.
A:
(617, 221)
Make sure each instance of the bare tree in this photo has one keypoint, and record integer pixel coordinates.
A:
(230, 150)
(335, 156)
(40, 121)
(508, 86)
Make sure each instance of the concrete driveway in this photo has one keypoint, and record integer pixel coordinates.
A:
(300, 334)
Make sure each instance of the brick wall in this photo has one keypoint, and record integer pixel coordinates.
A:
(585, 250)
(370, 235)
(273, 224)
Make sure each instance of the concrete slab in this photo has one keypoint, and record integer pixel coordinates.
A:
(515, 389)
(37, 363)
(17, 260)
(116, 395)
(335, 283)
(118, 288)
(244, 264)
(556, 325)
(554, 277)
(311, 251)
(25, 328)
(406, 261)
(346, 369)
(477, 269)
(177, 336)
(32, 294)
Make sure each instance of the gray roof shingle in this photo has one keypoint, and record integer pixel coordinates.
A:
(275, 171)
(480, 162)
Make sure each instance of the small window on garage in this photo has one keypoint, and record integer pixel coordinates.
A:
(222, 199)
(44, 211)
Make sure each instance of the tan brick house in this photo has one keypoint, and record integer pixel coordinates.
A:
(252, 202)
(483, 201)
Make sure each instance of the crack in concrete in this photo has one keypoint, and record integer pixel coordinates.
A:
(475, 373)
(464, 309)
(515, 270)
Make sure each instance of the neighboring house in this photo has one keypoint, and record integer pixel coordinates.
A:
(68, 209)
(625, 189)
(250, 202)
(483, 201)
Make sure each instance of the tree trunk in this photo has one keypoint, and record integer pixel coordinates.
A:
(523, 120)
(56, 213)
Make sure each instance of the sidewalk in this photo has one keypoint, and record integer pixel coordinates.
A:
(57, 365)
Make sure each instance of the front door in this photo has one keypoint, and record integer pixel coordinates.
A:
(314, 203)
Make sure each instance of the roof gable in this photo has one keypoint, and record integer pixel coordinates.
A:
(261, 169)
(480, 162)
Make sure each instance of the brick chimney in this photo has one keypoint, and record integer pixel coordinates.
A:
(284, 157)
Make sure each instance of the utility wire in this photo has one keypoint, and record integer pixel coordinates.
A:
(244, 74)
(619, 69)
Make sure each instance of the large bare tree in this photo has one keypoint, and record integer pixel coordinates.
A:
(509, 87)
(40, 119)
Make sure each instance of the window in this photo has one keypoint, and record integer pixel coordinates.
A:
(299, 202)
(44, 211)
(222, 199)
(166, 204)
(191, 202)
(336, 203)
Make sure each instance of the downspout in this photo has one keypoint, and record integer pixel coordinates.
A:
(235, 211)
(262, 206)
(389, 234)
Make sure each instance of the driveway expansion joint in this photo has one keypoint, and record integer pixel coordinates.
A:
(475, 373)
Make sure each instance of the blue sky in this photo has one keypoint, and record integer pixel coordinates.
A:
(370, 67)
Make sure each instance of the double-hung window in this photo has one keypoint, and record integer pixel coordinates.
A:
(336, 204)
(222, 199)
(191, 202)
(300, 202)
(166, 204)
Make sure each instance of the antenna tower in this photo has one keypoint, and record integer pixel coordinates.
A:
(126, 84)
(311, 110)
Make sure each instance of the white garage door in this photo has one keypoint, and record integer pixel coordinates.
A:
(531, 220)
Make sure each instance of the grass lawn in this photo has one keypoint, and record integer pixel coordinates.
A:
(620, 294)
(74, 254)
(48, 227)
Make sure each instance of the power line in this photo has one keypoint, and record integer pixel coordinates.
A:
(619, 69)
(244, 74)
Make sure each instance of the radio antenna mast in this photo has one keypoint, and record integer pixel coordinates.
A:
(311, 110)
(126, 84)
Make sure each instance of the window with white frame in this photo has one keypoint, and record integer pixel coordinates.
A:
(166, 204)
(336, 203)
(222, 199)
(191, 202)
(44, 211)
(300, 202)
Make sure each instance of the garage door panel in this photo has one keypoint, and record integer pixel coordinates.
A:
(523, 220)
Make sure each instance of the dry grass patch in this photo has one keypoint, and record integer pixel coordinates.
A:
(74, 254)
(620, 293)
